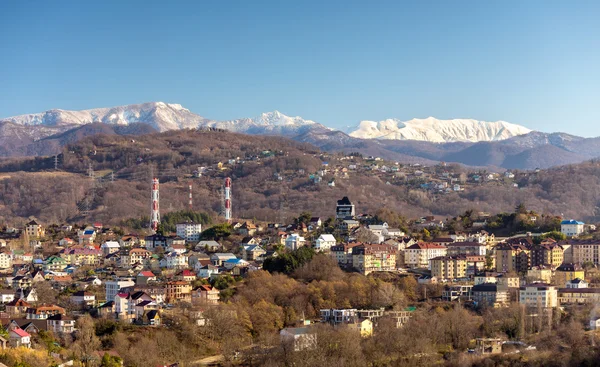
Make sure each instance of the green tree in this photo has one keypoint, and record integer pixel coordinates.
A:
(217, 232)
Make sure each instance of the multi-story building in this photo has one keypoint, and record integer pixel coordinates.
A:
(373, 257)
(538, 295)
(547, 253)
(344, 209)
(490, 294)
(82, 256)
(5, 260)
(466, 248)
(35, 230)
(189, 231)
(567, 272)
(205, 294)
(178, 291)
(513, 257)
(455, 267)
(113, 287)
(294, 242)
(582, 251)
(110, 247)
(343, 253)
(568, 296)
(572, 228)
(325, 242)
(44, 311)
(419, 254)
(135, 256)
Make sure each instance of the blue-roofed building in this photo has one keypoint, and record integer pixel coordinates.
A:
(572, 228)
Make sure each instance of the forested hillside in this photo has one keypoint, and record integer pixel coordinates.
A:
(271, 181)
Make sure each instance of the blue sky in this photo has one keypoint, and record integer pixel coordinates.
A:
(534, 63)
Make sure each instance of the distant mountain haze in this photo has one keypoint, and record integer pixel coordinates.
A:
(470, 142)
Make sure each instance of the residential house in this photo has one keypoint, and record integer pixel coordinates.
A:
(219, 258)
(35, 230)
(541, 274)
(44, 311)
(547, 253)
(22, 282)
(86, 236)
(253, 252)
(577, 284)
(513, 257)
(572, 228)
(19, 338)
(567, 272)
(490, 294)
(233, 263)
(466, 248)
(294, 242)
(538, 295)
(83, 256)
(189, 231)
(5, 260)
(7, 295)
(83, 299)
(247, 229)
(17, 307)
(344, 209)
(178, 291)
(370, 258)
(110, 247)
(145, 276)
(186, 275)
(61, 324)
(114, 286)
(325, 242)
(205, 294)
(174, 260)
(207, 271)
(154, 241)
(54, 263)
(135, 256)
(419, 254)
(208, 246)
(343, 253)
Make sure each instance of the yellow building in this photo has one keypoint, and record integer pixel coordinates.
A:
(177, 291)
(365, 327)
(449, 267)
(541, 274)
(547, 253)
(567, 272)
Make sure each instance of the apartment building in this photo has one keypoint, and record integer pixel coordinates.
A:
(373, 257)
(419, 254)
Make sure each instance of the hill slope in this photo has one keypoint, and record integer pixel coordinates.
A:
(271, 181)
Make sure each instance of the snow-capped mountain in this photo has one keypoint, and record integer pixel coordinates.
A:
(166, 116)
(161, 116)
(438, 131)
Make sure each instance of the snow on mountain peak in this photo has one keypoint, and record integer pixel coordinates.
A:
(438, 131)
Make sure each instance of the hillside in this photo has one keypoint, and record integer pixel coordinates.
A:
(271, 181)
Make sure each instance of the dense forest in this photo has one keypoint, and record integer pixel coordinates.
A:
(108, 176)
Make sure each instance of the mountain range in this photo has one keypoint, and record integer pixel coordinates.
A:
(470, 142)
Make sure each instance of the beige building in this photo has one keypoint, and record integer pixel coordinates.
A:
(419, 254)
(455, 267)
(35, 230)
(178, 291)
(568, 296)
(538, 295)
(512, 257)
(373, 257)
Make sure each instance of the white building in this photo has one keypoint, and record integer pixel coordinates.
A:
(174, 260)
(419, 254)
(294, 241)
(113, 286)
(325, 242)
(300, 338)
(189, 231)
(572, 227)
(538, 295)
(110, 247)
(577, 283)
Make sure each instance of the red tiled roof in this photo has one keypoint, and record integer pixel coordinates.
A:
(20, 332)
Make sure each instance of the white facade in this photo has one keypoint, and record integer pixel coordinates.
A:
(174, 260)
(572, 227)
(325, 242)
(113, 286)
(110, 247)
(418, 255)
(189, 231)
(539, 295)
(294, 241)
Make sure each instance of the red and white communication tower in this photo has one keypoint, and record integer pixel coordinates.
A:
(154, 213)
(190, 196)
(228, 199)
